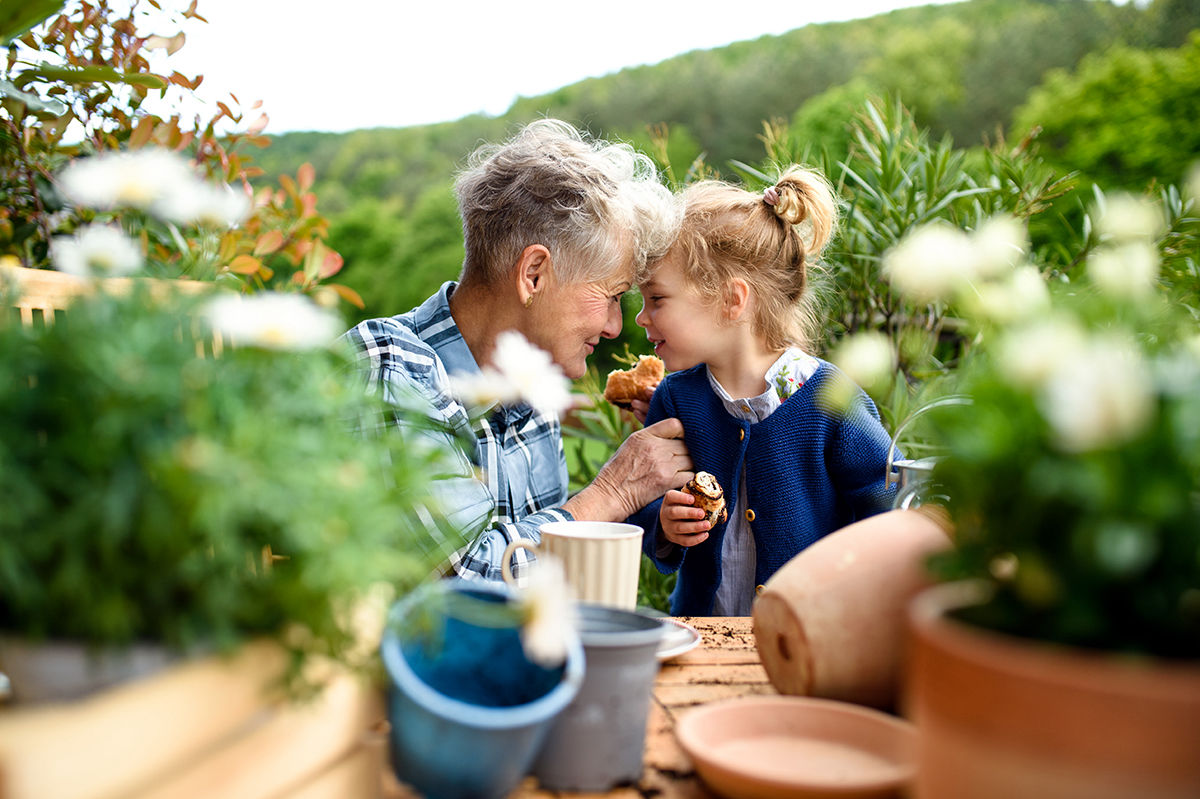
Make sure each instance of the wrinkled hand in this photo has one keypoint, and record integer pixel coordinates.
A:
(651, 462)
(681, 521)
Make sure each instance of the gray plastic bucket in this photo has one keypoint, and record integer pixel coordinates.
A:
(598, 741)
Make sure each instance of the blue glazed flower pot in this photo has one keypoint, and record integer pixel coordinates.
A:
(468, 711)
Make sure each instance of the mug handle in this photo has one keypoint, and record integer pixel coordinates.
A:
(506, 558)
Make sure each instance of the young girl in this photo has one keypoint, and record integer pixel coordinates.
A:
(796, 446)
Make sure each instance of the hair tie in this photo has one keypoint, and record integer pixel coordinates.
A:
(771, 195)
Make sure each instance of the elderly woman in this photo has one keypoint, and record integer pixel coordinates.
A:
(557, 228)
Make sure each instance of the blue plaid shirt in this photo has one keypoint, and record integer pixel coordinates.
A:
(511, 481)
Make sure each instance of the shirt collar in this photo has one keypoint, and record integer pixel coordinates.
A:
(784, 377)
(436, 327)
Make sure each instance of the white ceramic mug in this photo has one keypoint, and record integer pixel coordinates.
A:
(601, 560)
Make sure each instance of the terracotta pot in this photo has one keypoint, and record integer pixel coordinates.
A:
(1002, 717)
(830, 623)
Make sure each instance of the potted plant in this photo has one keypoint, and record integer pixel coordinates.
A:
(154, 493)
(1068, 662)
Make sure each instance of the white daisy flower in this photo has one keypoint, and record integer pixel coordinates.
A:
(1124, 217)
(931, 263)
(999, 244)
(549, 613)
(157, 181)
(96, 251)
(867, 358)
(1031, 354)
(140, 179)
(1098, 398)
(273, 320)
(519, 372)
(1129, 269)
(1022, 295)
(207, 204)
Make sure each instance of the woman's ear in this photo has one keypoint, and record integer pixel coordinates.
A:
(737, 299)
(532, 272)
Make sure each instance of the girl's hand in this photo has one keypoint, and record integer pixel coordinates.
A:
(682, 523)
(640, 408)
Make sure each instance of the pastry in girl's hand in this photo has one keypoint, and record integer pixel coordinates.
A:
(636, 383)
(709, 496)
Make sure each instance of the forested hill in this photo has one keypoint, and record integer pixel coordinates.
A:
(1112, 90)
(962, 69)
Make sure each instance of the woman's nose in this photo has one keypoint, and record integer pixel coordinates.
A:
(614, 323)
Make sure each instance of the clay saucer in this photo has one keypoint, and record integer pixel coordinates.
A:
(794, 747)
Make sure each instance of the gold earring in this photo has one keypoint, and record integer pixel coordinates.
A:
(529, 301)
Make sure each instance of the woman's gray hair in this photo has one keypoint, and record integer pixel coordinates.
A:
(594, 204)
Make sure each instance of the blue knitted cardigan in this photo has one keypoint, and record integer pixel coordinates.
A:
(810, 470)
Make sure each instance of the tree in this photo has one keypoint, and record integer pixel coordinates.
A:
(825, 122)
(395, 260)
(1124, 118)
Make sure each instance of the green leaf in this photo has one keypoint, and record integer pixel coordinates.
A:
(92, 74)
(31, 101)
(18, 17)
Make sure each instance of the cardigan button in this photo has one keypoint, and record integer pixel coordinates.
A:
(741, 434)
(758, 590)
(749, 514)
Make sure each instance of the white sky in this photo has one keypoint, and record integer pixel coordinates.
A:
(348, 64)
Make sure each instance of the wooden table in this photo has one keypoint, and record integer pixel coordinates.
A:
(724, 665)
(206, 728)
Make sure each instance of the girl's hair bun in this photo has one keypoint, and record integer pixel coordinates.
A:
(790, 207)
(804, 196)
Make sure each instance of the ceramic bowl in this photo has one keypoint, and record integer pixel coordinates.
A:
(790, 747)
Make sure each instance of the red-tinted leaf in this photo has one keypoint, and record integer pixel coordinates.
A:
(229, 243)
(268, 242)
(142, 133)
(331, 264)
(306, 175)
(348, 294)
(256, 127)
(288, 185)
(245, 265)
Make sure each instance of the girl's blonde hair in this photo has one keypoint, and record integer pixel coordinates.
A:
(768, 240)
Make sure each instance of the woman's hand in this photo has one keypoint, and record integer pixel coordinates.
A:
(651, 462)
(681, 521)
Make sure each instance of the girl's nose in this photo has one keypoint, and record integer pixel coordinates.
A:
(643, 318)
